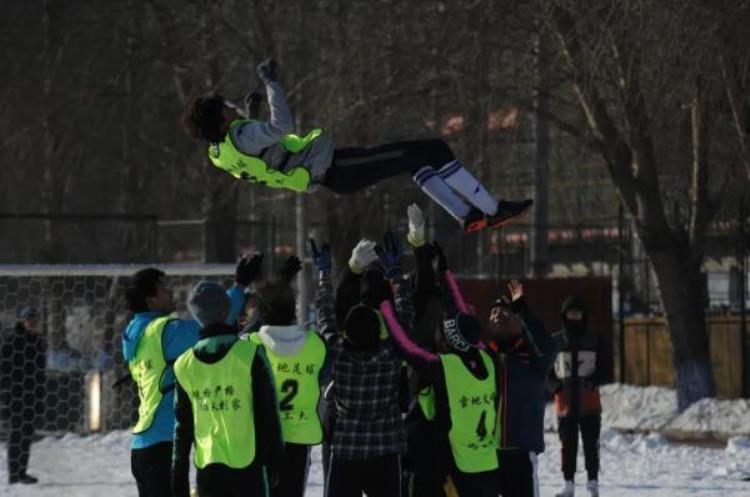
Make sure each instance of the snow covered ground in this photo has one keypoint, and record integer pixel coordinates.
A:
(632, 464)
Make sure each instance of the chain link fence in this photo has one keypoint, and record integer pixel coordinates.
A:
(86, 386)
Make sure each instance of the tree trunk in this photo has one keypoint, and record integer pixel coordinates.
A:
(683, 293)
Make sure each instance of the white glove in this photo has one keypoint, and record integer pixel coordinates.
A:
(416, 225)
(362, 256)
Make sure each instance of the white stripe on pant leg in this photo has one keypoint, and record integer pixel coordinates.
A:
(462, 181)
(307, 469)
(400, 476)
(535, 480)
(328, 476)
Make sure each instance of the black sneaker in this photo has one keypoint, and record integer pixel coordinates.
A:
(507, 210)
(474, 221)
(27, 479)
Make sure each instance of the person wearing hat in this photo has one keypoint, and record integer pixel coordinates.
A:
(524, 355)
(225, 405)
(268, 153)
(462, 392)
(22, 388)
(365, 429)
(152, 340)
(582, 364)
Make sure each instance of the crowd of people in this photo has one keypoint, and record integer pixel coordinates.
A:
(407, 389)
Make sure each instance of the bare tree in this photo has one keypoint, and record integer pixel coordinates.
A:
(647, 81)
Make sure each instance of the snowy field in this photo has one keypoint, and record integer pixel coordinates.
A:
(632, 464)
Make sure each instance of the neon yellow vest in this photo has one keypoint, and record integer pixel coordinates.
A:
(226, 156)
(221, 395)
(150, 371)
(471, 403)
(298, 389)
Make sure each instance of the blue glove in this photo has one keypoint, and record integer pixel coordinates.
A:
(391, 253)
(321, 258)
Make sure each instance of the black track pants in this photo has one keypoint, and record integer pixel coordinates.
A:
(293, 471)
(218, 480)
(376, 477)
(517, 473)
(353, 169)
(568, 428)
(152, 469)
(20, 433)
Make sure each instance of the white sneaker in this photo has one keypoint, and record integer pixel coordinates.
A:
(593, 488)
(569, 490)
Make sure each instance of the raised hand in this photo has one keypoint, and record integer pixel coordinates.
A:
(289, 269)
(321, 258)
(391, 254)
(515, 288)
(248, 269)
(416, 225)
(267, 71)
(363, 255)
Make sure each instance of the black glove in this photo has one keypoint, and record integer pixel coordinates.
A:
(248, 269)
(321, 258)
(289, 269)
(252, 104)
(391, 254)
(267, 71)
(438, 256)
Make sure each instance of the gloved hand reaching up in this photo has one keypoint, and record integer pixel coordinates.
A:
(321, 258)
(363, 255)
(248, 269)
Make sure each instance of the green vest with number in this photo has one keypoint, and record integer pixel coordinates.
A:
(151, 372)
(471, 403)
(221, 396)
(227, 156)
(298, 390)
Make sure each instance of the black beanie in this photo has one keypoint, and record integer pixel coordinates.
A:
(362, 328)
(462, 332)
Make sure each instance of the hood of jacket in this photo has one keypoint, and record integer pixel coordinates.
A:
(131, 337)
(283, 340)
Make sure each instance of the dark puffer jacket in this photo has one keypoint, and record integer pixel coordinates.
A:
(577, 388)
(23, 378)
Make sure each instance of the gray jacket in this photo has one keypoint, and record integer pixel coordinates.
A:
(261, 139)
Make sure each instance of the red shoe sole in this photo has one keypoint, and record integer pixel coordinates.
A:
(477, 225)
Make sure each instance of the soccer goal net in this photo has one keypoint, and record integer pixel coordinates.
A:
(85, 386)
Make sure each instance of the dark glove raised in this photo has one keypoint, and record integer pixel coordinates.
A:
(248, 269)
(267, 71)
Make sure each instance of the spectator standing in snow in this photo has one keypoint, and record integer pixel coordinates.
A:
(579, 369)
(22, 388)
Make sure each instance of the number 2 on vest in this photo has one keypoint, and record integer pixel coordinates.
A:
(290, 388)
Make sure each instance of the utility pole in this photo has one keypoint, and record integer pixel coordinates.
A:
(538, 241)
(303, 277)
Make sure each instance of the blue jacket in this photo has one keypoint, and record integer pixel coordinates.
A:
(179, 335)
(522, 366)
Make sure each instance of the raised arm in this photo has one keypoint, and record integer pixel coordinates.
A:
(420, 359)
(252, 138)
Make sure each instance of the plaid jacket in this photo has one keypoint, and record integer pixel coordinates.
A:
(365, 394)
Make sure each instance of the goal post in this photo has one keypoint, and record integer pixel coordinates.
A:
(82, 316)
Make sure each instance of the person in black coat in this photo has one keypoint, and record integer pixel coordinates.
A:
(22, 387)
